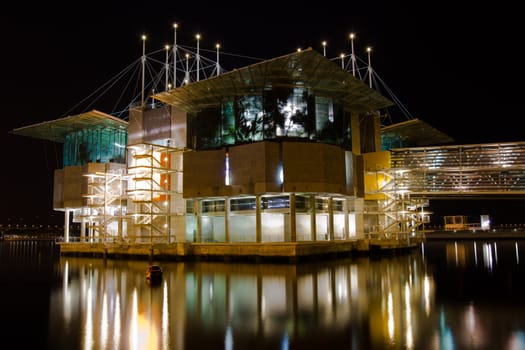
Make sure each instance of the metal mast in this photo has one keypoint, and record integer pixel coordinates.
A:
(175, 25)
(143, 66)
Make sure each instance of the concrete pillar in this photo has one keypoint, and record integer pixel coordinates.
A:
(313, 224)
(66, 225)
(331, 219)
(359, 205)
(82, 230)
(197, 211)
(347, 224)
(258, 223)
(293, 225)
(227, 219)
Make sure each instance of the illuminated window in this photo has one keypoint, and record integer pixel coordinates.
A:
(277, 202)
(227, 169)
(95, 146)
(245, 203)
(249, 118)
(211, 206)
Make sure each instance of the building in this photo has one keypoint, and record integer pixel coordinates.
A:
(280, 158)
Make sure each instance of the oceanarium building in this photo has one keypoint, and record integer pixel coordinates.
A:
(278, 158)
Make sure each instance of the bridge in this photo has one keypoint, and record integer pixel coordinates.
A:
(495, 170)
(410, 177)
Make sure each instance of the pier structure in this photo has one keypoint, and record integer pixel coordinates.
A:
(284, 158)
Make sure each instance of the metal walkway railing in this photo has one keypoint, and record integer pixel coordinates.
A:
(493, 170)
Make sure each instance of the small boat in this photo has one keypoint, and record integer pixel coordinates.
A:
(154, 274)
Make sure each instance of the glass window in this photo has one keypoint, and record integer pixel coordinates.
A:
(211, 206)
(228, 123)
(275, 202)
(95, 146)
(249, 118)
(245, 203)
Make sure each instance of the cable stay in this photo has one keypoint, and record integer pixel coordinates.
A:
(183, 65)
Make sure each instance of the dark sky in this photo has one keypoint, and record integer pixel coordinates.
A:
(456, 66)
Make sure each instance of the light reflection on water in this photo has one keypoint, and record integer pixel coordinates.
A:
(447, 295)
(234, 305)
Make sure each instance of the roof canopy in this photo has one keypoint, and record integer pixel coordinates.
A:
(56, 130)
(415, 132)
(307, 68)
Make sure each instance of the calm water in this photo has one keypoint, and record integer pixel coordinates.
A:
(450, 295)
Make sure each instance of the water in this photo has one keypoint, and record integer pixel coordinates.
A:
(446, 295)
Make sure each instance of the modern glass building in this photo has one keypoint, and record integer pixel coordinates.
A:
(256, 161)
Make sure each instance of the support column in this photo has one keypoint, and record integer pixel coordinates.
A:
(66, 225)
(197, 211)
(347, 224)
(313, 225)
(359, 205)
(293, 225)
(331, 219)
(82, 230)
(227, 219)
(258, 222)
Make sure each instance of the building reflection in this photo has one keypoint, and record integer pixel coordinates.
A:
(200, 305)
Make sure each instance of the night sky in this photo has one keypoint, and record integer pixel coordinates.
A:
(457, 67)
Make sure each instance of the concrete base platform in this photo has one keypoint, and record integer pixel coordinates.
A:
(473, 235)
(282, 251)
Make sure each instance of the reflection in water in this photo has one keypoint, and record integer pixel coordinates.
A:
(481, 291)
(448, 295)
(372, 303)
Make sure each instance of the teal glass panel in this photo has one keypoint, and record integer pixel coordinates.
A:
(249, 125)
(95, 146)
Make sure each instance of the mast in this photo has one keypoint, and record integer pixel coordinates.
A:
(175, 25)
(368, 50)
(218, 67)
(198, 58)
(167, 67)
(143, 67)
(352, 55)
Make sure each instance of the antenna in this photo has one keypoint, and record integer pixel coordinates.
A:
(368, 50)
(187, 76)
(218, 46)
(175, 25)
(198, 37)
(167, 65)
(143, 67)
(352, 55)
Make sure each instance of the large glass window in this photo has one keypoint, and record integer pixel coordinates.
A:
(213, 206)
(95, 146)
(279, 112)
(228, 123)
(332, 124)
(277, 202)
(286, 111)
(206, 129)
(244, 203)
(249, 113)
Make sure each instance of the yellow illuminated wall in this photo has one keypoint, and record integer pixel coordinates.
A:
(376, 166)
